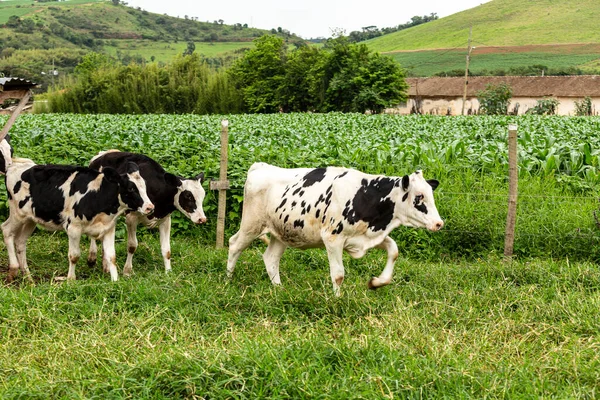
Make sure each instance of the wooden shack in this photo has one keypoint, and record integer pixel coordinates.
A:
(18, 89)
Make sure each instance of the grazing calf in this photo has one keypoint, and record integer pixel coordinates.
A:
(166, 191)
(338, 208)
(77, 200)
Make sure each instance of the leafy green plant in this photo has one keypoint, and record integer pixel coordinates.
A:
(546, 106)
(495, 99)
(583, 107)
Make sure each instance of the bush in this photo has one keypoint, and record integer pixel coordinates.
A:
(583, 107)
(545, 106)
(495, 99)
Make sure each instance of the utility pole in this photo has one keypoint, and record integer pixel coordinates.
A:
(469, 49)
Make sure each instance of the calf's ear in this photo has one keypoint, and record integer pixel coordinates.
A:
(172, 180)
(132, 167)
(433, 183)
(200, 177)
(405, 181)
(111, 175)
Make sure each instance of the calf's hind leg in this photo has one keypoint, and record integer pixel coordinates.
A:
(11, 231)
(272, 256)
(21, 245)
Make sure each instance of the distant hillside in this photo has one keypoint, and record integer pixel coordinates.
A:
(516, 37)
(503, 23)
(42, 36)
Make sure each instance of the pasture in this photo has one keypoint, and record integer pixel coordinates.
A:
(493, 58)
(455, 322)
(165, 51)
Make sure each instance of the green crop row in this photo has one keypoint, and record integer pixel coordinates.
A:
(558, 162)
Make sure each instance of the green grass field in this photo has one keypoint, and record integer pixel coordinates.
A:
(477, 329)
(427, 63)
(165, 52)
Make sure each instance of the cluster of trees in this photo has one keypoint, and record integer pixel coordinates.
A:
(267, 79)
(370, 32)
(339, 77)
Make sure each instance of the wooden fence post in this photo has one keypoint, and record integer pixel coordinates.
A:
(222, 185)
(513, 177)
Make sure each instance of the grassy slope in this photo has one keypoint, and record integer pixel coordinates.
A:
(459, 330)
(502, 22)
(115, 24)
(165, 52)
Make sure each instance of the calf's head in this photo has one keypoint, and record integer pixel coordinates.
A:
(418, 207)
(6, 153)
(132, 188)
(189, 197)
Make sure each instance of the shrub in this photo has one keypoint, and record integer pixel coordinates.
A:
(495, 99)
(583, 107)
(546, 106)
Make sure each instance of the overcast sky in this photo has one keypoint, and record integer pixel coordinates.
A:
(307, 18)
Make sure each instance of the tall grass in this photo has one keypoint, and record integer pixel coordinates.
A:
(185, 86)
(477, 329)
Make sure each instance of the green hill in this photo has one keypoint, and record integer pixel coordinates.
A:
(38, 36)
(518, 37)
(502, 23)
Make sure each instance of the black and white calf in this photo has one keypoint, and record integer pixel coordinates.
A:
(166, 191)
(77, 200)
(338, 208)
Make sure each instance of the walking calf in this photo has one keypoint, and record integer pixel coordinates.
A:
(166, 191)
(77, 200)
(336, 208)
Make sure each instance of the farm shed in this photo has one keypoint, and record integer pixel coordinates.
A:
(444, 96)
(15, 88)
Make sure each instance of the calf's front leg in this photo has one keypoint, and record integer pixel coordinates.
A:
(74, 250)
(93, 253)
(132, 243)
(385, 277)
(164, 229)
(109, 254)
(336, 265)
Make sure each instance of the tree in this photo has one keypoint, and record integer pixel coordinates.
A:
(191, 47)
(301, 88)
(357, 80)
(91, 62)
(495, 99)
(259, 74)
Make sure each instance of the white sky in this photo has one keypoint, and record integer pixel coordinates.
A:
(307, 18)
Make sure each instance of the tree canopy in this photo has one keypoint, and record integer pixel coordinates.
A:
(340, 77)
